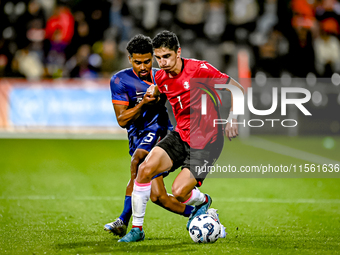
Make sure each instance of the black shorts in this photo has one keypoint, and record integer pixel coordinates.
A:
(196, 160)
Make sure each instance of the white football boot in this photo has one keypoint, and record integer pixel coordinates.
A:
(117, 227)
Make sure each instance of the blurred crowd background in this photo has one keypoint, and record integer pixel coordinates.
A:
(43, 39)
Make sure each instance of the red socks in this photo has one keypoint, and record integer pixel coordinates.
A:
(140, 227)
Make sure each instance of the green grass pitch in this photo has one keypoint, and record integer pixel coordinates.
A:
(56, 195)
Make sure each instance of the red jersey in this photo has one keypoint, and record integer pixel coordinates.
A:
(184, 92)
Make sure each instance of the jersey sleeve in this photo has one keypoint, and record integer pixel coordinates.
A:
(208, 71)
(118, 91)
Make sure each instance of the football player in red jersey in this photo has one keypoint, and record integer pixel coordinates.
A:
(195, 144)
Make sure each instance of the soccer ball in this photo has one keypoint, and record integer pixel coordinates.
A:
(204, 229)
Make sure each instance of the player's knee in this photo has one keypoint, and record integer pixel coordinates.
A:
(145, 171)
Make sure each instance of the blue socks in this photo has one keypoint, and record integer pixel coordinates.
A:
(188, 210)
(127, 211)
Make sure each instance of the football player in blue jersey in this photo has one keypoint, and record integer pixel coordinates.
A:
(146, 122)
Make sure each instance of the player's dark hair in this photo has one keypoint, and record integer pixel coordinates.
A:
(140, 44)
(166, 39)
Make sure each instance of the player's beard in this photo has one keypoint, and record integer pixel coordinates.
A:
(144, 77)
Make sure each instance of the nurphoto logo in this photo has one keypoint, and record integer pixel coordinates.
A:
(239, 105)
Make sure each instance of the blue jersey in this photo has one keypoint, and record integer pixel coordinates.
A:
(128, 89)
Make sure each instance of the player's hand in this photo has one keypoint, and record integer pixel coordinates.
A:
(231, 131)
(151, 89)
(148, 99)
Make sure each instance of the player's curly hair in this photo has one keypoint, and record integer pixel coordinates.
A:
(166, 39)
(140, 44)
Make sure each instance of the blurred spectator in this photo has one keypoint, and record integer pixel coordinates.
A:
(110, 61)
(243, 11)
(96, 15)
(48, 7)
(301, 49)
(81, 34)
(265, 23)
(216, 20)
(120, 22)
(59, 33)
(242, 16)
(35, 25)
(303, 14)
(29, 64)
(32, 23)
(14, 71)
(272, 54)
(270, 45)
(55, 61)
(150, 13)
(327, 48)
(191, 15)
(326, 9)
(60, 28)
(85, 38)
(80, 65)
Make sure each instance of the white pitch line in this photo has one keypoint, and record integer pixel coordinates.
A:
(228, 200)
(288, 151)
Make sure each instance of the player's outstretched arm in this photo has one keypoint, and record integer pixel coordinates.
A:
(126, 116)
(231, 129)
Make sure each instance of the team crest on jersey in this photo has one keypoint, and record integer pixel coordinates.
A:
(117, 80)
(186, 85)
(204, 66)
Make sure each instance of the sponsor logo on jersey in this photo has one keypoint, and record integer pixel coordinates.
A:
(139, 96)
